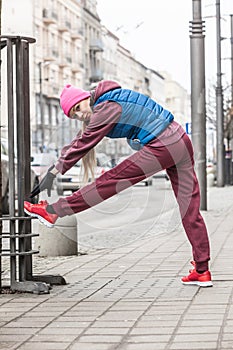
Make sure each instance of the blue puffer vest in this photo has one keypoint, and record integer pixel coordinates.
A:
(142, 119)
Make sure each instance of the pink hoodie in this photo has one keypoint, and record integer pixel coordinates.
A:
(105, 116)
(103, 119)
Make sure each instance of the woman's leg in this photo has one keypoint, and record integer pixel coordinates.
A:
(178, 160)
(135, 168)
(186, 189)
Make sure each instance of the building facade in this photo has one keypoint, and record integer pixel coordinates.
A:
(73, 47)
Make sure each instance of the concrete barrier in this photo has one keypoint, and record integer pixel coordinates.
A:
(61, 240)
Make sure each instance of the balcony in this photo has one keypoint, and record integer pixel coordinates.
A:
(96, 75)
(64, 26)
(62, 62)
(77, 67)
(96, 45)
(50, 54)
(77, 33)
(49, 16)
(54, 91)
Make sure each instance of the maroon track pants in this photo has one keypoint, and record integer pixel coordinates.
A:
(177, 159)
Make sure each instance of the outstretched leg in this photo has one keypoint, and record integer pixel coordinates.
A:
(186, 189)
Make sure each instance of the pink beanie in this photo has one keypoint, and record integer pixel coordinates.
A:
(70, 96)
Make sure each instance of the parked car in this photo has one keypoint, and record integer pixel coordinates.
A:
(40, 162)
(72, 180)
(5, 177)
(211, 169)
(103, 164)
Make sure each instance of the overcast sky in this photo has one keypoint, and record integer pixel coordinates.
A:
(157, 33)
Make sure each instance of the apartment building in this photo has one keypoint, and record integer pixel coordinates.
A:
(72, 47)
(68, 42)
(177, 100)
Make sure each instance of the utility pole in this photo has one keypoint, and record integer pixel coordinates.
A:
(232, 61)
(231, 111)
(41, 103)
(198, 110)
(219, 103)
(41, 108)
(0, 153)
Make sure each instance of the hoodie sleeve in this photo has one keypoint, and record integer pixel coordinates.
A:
(104, 118)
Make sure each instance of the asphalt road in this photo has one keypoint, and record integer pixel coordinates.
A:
(128, 216)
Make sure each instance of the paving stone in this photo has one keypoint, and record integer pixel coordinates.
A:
(204, 337)
(53, 338)
(148, 338)
(106, 331)
(151, 330)
(199, 345)
(57, 324)
(120, 315)
(43, 346)
(227, 336)
(157, 323)
(20, 323)
(100, 339)
(66, 330)
(227, 345)
(15, 331)
(143, 346)
(199, 330)
(203, 323)
(91, 346)
(19, 337)
(10, 345)
(115, 324)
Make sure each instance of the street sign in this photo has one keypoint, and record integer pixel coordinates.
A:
(188, 128)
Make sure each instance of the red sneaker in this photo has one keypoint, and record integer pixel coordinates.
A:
(199, 279)
(39, 211)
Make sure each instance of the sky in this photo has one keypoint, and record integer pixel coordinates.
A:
(157, 33)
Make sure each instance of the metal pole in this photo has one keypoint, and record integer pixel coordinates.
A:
(231, 112)
(219, 104)
(231, 60)
(11, 146)
(198, 112)
(0, 152)
(41, 106)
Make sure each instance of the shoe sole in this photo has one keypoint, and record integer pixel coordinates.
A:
(200, 284)
(40, 218)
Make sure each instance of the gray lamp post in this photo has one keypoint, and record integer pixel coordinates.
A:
(219, 103)
(198, 112)
(41, 103)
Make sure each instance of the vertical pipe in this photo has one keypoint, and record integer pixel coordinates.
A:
(41, 107)
(0, 153)
(232, 62)
(219, 103)
(231, 112)
(198, 112)
(11, 144)
(27, 152)
(20, 150)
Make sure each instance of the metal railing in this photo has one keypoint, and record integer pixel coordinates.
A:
(16, 242)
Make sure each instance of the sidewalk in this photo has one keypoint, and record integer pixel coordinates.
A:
(131, 298)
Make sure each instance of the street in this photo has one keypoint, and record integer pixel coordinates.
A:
(128, 216)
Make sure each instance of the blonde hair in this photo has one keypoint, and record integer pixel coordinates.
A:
(88, 162)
